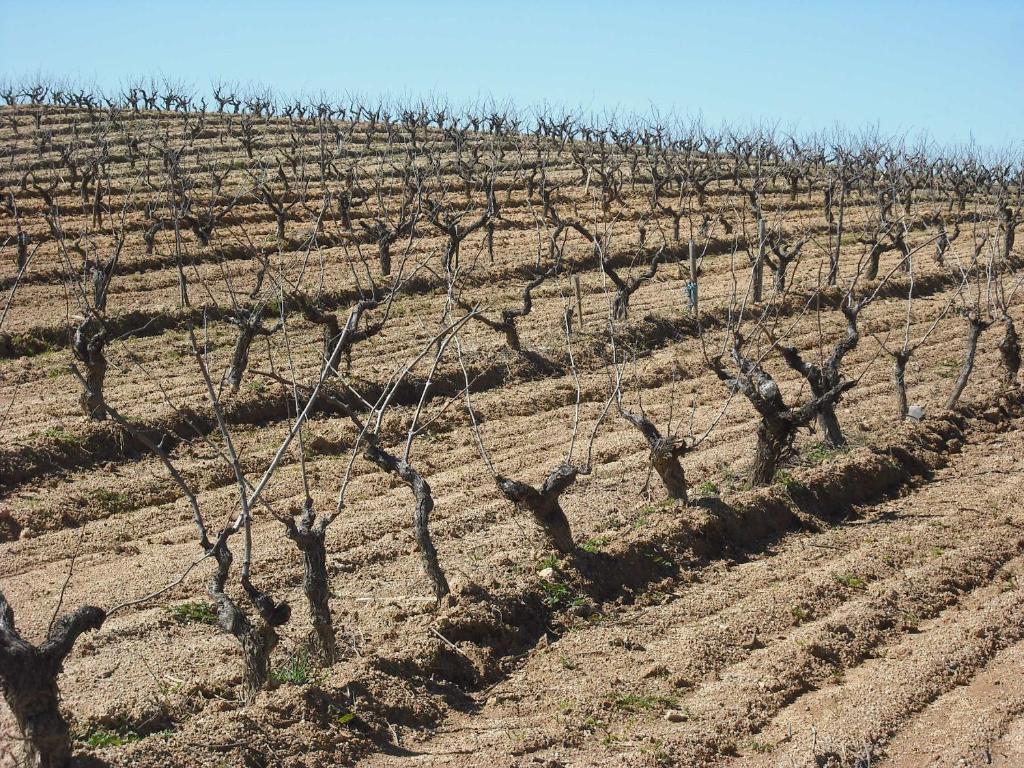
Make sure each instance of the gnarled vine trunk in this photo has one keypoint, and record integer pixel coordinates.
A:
(250, 325)
(309, 538)
(257, 639)
(899, 381)
(665, 458)
(240, 356)
(543, 504)
(1009, 351)
(421, 515)
(88, 348)
(665, 454)
(28, 680)
(974, 330)
(773, 438)
(828, 423)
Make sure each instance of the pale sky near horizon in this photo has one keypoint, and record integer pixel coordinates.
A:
(954, 70)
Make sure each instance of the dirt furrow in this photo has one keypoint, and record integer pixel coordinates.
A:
(851, 722)
(593, 722)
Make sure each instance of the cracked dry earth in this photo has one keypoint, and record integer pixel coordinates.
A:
(894, 639)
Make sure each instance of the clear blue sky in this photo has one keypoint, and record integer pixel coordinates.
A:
(953, 69)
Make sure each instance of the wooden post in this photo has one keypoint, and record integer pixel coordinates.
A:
(579, 299)
(759, 261)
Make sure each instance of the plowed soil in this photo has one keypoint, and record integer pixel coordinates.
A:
(866, 610)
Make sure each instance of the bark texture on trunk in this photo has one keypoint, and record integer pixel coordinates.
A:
(544, 505)
(827, 377)
(257, 639)
(421, 515)
(89, 349)
(250, 325)
(240, 356)
(665, 455)
(28, 681)
(384, 255)
(828, 423)
(899, 381)
(975, 327)
(779, 422)
(772, 442)
(1009, 351)
(309, 537)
